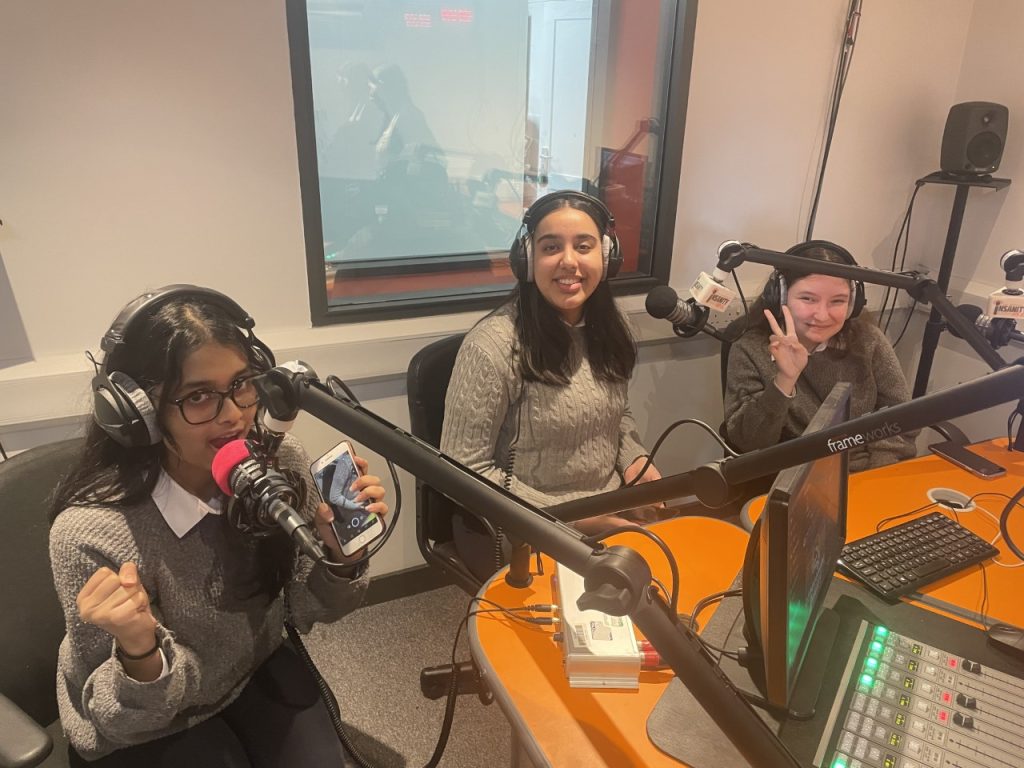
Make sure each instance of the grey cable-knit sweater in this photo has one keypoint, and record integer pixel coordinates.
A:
(212, 637)
(758, 415)
(573, 440)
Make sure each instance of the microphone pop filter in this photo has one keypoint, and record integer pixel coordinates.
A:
(661, 301)
(228, 457)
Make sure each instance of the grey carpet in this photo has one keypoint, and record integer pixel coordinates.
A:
(372, 660)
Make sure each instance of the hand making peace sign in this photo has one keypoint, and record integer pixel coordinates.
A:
(789, 353)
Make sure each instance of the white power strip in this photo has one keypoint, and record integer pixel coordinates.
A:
(598, 650)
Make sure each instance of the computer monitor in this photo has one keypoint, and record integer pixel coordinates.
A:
(790, 561)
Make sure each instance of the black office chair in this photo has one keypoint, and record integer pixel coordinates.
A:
(429, 372)
(31, 619)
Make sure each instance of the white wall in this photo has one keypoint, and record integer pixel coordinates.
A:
(145, 144)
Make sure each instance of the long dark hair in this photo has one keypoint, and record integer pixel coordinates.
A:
(545, 345)
(847, 340)
(153, 354)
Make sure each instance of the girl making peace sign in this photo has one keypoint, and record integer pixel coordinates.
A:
(807, 334)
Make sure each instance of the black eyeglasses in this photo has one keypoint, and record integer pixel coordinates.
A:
(205, 405)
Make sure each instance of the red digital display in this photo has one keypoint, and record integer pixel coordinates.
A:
(457, 15)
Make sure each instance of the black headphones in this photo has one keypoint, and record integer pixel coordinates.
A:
(520, 256)
(121, 407)
(776, 290)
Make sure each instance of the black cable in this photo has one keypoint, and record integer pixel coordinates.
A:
(3, 452)
(673, 566)
(707, 600)
(906, 323)
(665, 433)
(509, 470)
(666, 595)
(449, 711)
(904, 227)
(746, 316)
(885, 520)
(842, 70)
(328, 698)
(984, 595)
(1004, 528)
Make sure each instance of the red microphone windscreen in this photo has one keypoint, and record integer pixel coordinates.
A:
(228, 457)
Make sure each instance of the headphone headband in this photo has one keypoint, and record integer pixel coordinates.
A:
(542, 206)
(776, 289)
(121, 407)
(149, 302)
(521, 253)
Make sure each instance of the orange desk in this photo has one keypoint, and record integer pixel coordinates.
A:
(561, 726)
(879, 493)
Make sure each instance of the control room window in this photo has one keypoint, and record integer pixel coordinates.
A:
(426, 127)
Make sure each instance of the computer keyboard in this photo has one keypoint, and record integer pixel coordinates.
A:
(914, 554)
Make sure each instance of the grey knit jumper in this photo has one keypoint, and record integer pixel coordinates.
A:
(213, 638)
(758, 415)
(572, 441)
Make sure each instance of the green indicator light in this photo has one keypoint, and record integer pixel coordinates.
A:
(870, 664)
(839, 762)
(867, 680)
(876, 648)
(881, 632)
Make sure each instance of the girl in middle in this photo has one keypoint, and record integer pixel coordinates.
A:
(538, 400)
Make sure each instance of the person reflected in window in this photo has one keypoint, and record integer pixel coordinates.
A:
(174, 652)
(352, 152)
(807, 333)
(538, 399)
(405, 130)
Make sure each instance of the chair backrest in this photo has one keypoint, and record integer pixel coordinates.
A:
(427, 379)
(430, 371)
(31, 618)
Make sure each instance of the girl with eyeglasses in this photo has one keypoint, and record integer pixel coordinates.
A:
(174, 652)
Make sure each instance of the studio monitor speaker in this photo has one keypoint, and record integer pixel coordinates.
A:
(974, 137)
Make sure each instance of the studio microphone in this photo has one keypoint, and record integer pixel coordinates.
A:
(709, 290)
(266, 497)
(999, 331)
(688, 317)
(1008, 302)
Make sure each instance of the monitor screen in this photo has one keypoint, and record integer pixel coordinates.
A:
(793, 554)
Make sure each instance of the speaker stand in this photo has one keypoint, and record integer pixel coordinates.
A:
(933, 328)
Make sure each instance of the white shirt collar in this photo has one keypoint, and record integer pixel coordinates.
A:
(181, 509)
(820, 347)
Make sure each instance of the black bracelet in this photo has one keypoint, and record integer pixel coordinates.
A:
(125, 656)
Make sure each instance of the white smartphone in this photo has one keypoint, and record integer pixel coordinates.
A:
(333, 474)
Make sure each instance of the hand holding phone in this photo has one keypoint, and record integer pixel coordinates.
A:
(967, 459)
(333, 475)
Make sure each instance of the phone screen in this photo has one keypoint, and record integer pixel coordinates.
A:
(333, 480)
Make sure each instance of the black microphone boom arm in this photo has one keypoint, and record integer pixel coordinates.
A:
(712, 482)
(617, 579)
(921, 288)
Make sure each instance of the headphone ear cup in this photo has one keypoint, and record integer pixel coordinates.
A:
(774, 293)
(612, 256)
(124, 411)
(857, 300)
(520, 258)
